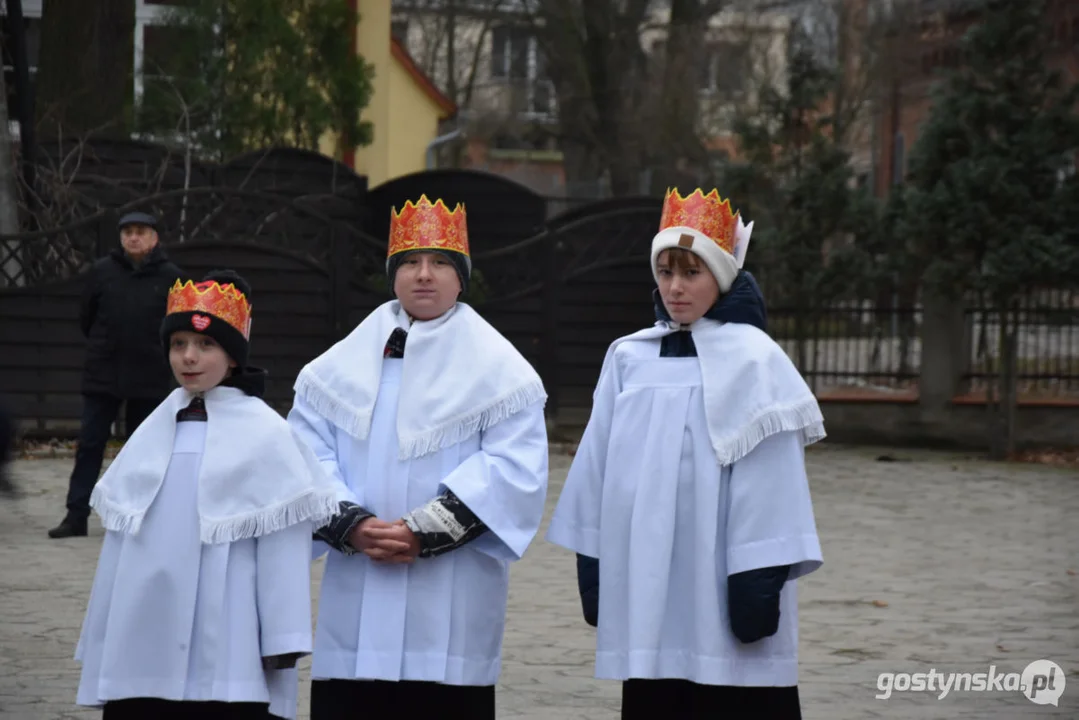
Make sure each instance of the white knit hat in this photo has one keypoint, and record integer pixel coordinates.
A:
(707, 227)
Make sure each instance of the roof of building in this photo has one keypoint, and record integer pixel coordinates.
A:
(448, 106)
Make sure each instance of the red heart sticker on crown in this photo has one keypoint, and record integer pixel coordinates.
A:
(200, 322)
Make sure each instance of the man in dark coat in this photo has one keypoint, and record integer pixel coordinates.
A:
(122, 308)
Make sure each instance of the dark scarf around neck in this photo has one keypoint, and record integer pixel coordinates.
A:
(743, 303)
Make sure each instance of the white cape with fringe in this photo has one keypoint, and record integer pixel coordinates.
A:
(460, 376)
(257, 476)
(752, 390)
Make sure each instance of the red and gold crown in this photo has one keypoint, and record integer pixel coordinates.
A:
(708, 214)
(225, 302)
(425, 225)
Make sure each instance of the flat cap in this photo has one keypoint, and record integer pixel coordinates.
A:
(138, 218)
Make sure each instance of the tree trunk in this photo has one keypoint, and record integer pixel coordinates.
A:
(85, 67)
(9, 204)
(25, 110)
(677, 144)
(595, 60)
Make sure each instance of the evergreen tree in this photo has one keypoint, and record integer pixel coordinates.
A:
(248, 74)
(987, 210)
(797, 183)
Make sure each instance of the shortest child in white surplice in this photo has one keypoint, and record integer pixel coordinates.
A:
(201, 603)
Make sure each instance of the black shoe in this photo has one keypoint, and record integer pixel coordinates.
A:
(69, 528)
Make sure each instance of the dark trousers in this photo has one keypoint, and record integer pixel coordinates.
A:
(351, 699)
(99, 412)
(650, 699)
(155, 709)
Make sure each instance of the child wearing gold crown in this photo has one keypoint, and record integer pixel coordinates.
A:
(432, 424)
(201, 602)
(689, 490)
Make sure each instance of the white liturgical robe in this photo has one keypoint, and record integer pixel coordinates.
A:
(172, 617)
(438, 619)
(668, 522)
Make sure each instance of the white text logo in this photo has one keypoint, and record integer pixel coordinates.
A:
(1042, 682)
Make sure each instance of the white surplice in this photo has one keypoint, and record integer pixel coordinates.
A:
(438, 619)
(648, 496)
(172, 617)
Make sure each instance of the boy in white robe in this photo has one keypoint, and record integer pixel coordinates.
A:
(201, 603)
(432, 424)
(689, 491)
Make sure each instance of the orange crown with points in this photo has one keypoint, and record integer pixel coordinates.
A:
(708, 214)
(225, 302)
(424, 225)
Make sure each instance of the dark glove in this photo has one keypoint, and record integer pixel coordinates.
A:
(281, 662)
(753, 602)
(588, 586)
(444, 524)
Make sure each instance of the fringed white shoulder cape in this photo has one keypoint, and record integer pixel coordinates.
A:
(460, 376)
(256, 477)
(752, 390)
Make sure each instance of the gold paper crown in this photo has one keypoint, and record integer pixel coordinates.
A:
(224, 302)
(431, 226)
(708, 214)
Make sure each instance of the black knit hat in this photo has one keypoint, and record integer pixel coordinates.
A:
(219, 306)
(461, 263)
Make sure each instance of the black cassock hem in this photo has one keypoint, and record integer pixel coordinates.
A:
(649, 699)
(158, 709)
(349, 699)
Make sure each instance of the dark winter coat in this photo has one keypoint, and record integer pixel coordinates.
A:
(121, 313)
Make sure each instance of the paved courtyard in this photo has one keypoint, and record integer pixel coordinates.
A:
(933, 562)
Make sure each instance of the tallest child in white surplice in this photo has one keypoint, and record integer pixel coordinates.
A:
(432, 424)
(689, 487)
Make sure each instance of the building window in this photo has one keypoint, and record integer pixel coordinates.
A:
(147, 13)
(724, 70)
(517, 59)
(32, 30)
(511, 46)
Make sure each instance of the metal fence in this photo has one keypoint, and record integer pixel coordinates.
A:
(854, 346)
(862, 347)
(1047, 344)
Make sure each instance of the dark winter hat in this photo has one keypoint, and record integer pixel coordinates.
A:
(460, 262)
(218, 306)
(429, 227)
(137, 218)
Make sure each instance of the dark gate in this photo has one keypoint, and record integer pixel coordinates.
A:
(603, 289)
(308, 274)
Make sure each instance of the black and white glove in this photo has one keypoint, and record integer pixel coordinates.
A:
(337, 532)
(444, 524)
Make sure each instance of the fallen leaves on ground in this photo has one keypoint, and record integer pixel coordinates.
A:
(1058, 458)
